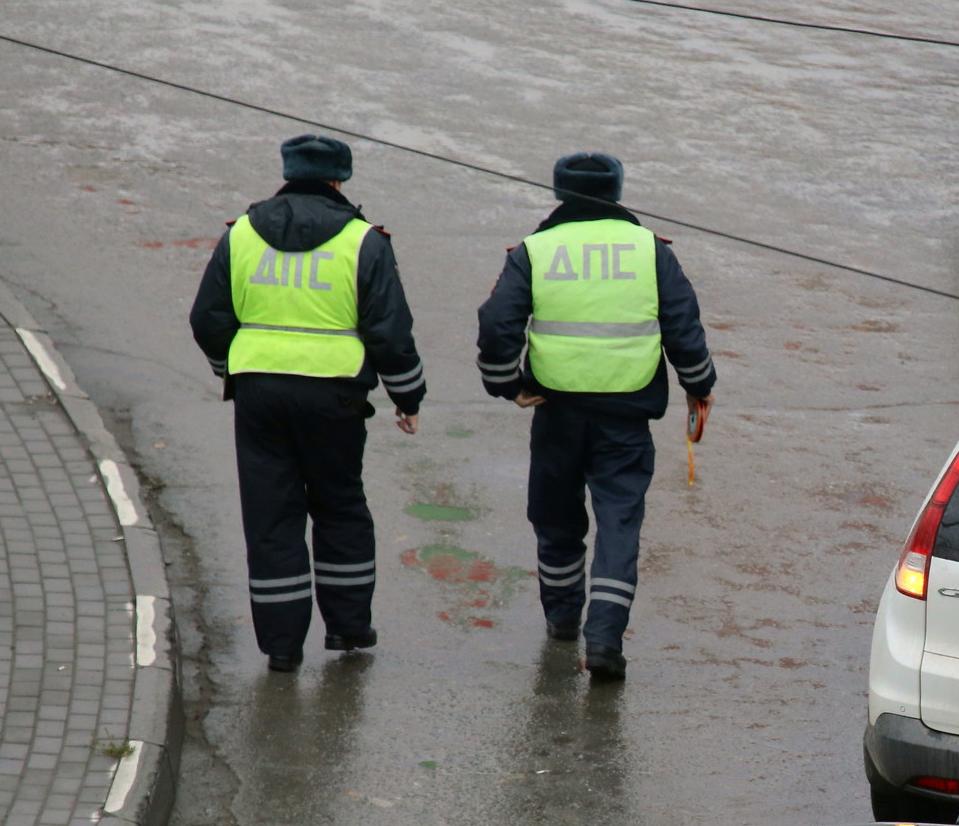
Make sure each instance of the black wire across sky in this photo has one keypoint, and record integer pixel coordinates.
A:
(823, 27)
(464, 164)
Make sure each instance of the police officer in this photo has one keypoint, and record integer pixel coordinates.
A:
(299, 309)
(606, 297)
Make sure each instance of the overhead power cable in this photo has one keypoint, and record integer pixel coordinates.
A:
(933, 41)
(463, 164)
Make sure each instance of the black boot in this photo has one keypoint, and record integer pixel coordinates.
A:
(567, 631)
(347, 642)
(285, 662)
(605, 663)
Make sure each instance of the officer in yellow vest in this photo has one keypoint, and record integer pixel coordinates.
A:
(300, 308)
(603, 298)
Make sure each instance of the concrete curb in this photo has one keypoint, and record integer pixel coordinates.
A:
(144, 783)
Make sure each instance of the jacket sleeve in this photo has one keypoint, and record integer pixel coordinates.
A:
(502, 326)
(386, 324)
(684, 338)
(212, 318)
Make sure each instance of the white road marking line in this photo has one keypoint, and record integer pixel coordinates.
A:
(146, 635)
(43, 358)
(123, 779)
(126, 512)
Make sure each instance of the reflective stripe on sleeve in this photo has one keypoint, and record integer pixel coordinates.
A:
(501, 379)
(490, 367)
(395, 383)
(699, 372)
(401, 377)
(405, 388)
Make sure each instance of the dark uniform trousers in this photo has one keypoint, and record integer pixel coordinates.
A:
(298, 454)
(570, 449)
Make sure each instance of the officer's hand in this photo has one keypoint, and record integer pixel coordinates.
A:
(524, 399)
(692, 400)
(406, 422)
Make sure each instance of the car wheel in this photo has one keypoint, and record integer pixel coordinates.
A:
(899, 806)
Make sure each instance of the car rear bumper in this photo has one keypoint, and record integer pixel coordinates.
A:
(897, 749)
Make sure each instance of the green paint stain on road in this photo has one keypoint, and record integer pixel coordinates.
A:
(428, 764)
(459, 433)
(440, 513)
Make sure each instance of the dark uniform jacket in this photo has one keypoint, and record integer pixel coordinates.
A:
(301, 217)
(503, 318)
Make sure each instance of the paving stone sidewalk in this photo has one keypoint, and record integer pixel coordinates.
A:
(89, 701)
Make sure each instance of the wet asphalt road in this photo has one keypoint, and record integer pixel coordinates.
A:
(837, 396)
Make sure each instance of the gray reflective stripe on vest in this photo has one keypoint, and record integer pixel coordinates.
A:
(285, 329)
(595, 329)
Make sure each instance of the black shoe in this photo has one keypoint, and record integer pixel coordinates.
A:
(285, 662)
(347, 642)
(567, 631)
(605, 663)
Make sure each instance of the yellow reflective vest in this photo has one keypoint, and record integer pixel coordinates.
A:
(595, 325)
(297, 310)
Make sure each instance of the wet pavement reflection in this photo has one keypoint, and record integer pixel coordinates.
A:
(299, 727)
(571, 744)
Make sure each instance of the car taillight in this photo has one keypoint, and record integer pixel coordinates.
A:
(912, 572)
(947, 785)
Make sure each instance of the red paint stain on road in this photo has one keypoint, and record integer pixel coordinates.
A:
(196, 243)
(471, 581)
(88, 188)
(182, 243)
(793, 345)
(125, 202)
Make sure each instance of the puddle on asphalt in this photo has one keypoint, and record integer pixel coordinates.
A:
(476, 584)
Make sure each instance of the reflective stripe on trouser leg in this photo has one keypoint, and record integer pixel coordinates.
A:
(274, 522)
(343, 542)
(619, 470)
(557, 510)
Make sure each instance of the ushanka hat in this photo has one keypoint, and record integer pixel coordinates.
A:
(312, 158)
(588, 173)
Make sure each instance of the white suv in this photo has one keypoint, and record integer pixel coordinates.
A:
(911, 746)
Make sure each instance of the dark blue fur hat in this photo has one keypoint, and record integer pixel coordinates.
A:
(312, 158)
(588, 173)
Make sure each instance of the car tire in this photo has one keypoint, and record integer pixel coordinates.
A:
(892, 806)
